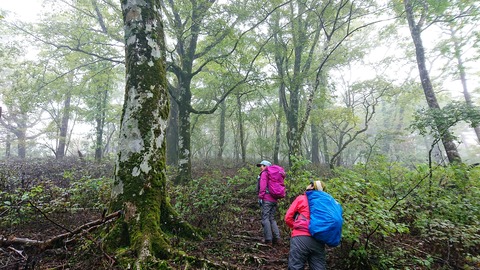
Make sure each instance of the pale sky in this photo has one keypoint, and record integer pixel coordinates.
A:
(26, 10)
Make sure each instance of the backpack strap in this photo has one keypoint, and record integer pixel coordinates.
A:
(258, 182)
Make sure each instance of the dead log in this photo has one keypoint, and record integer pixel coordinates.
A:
(58, 240)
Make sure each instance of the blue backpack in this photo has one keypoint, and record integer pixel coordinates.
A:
(325, 218)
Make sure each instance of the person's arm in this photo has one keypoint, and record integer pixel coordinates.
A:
(263, 185)
(291, 212)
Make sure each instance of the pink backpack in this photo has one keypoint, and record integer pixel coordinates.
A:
(276, 181)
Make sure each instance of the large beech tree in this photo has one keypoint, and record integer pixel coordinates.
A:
(140, 179)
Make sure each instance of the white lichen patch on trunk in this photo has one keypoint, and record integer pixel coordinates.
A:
(156, 53)
(117, 188)
(144, 252)
(131, 40)
(145, 166)
(182, 161)
(135, 171)
(163, 124)
(130, 138)
(180, 142)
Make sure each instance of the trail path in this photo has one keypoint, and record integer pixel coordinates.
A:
(242, 242)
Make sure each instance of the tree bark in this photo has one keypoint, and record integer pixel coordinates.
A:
(139, 188)
(100, 115)
(463, 77)
(315, 144)
(278, 126)
(184, 131)
(415, 31)
(8, 146)
(325, 145)
(21, 134)
(292, 114)
(241, 133)
(221, 130)
(22, 144)
(282, 103)
(172, 134)
(62, 138)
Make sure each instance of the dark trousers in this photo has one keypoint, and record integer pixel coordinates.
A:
(306, 249)
(270, 227)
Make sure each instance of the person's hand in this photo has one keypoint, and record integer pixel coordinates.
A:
(260, 202)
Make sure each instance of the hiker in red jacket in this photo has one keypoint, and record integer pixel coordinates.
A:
(271, 233)
(303, 247)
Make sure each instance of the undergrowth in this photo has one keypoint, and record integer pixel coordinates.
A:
(395, 217)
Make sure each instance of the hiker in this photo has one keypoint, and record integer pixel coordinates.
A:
(303, 247)
(268, 204)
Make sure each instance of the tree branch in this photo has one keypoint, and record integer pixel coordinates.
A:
(57, 240)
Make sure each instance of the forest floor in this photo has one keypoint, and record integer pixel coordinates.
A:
(235, 244)
(237, 247)
(37, 200)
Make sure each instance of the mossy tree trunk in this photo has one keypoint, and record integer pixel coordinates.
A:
(140, 179)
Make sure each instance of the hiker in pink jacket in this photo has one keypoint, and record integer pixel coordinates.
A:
(271, 233)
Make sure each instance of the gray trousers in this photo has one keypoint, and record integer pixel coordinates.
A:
(303, 249)
(270, 227)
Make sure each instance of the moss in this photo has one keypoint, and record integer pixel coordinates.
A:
(138, 238)
(177, 226)
(117, 237)
(143, 214)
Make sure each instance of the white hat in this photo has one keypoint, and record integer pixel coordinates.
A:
(265, 163)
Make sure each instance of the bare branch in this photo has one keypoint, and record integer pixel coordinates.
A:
(58, 240)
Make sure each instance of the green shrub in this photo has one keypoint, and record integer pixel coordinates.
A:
(33, 188)
(201, 201)
(397, 216)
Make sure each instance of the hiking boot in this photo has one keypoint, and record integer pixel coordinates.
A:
(268, 243)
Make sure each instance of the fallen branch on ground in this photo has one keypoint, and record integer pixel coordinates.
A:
(57, 240)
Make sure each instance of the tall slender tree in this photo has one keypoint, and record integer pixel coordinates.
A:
(461, 67)
(458, 47)
(416, 26)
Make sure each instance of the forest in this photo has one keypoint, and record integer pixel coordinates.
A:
(130, 130)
